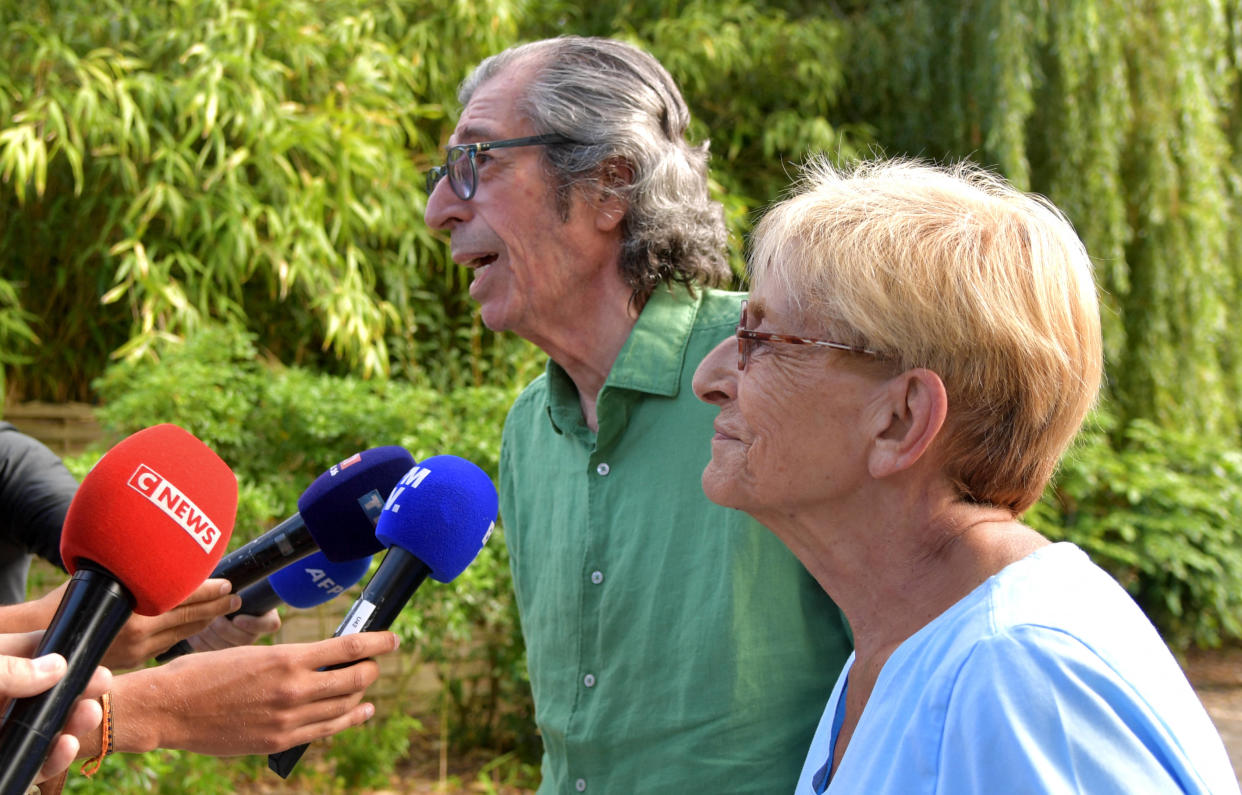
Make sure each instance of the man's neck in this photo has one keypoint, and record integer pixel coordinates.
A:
(587, 349)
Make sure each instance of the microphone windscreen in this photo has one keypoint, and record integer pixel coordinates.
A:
(156, 513)
(442, 512)
(314, 579)
(353, 490)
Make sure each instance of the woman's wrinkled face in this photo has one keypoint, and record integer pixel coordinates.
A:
(792, 426)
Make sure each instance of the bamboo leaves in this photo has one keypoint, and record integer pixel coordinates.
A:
(246, 164)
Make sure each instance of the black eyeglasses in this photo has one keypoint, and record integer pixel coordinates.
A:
(459, 163)
(746, 339)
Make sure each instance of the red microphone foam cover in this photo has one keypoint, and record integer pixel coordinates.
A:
(156, 512)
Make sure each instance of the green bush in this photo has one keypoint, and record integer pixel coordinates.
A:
(1159, 509)
(168, 773)
(367, 755)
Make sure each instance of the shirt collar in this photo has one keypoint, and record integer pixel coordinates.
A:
(650, 361)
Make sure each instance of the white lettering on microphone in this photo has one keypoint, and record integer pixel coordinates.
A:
(178, 507)
(322, 580)
(414, 477)
(411, 479)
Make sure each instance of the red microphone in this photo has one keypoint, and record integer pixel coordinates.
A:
(148, 524)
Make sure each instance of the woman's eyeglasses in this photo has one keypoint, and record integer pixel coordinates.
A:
(746, 339)
(459, 163)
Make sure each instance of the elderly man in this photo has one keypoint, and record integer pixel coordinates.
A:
(673, 646)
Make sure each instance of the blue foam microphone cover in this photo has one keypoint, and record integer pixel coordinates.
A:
(442, 511)
(356, 486)
(314, 579)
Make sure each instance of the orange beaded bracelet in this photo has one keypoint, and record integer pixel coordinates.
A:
(91, 766)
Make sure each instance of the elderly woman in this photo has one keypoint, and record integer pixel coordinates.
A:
(919, 348)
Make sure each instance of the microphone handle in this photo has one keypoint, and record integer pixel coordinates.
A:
(278, 547)
(394, 582)
(390, 588)
(256, 600)
(91, 613)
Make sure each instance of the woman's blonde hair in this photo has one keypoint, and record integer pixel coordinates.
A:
(954, 270)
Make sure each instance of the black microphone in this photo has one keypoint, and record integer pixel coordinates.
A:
(142, 532)
(435, 522)
(336, 515)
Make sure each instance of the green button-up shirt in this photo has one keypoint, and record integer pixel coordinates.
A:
(674, 646)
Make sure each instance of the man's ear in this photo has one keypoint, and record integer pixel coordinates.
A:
(915, 405)
(615, 175)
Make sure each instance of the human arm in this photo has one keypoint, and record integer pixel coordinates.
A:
(21, 677)
(200, 618)
(247, 699)
(142, 637)
(30, 616)
(35, 492)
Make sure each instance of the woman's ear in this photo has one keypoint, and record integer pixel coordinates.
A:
(915, 405)
(615, 175)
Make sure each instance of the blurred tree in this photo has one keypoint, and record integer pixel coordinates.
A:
(258, 163)
(1125, 115)
(764, 81)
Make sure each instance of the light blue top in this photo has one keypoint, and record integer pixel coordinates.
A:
(1047, 678)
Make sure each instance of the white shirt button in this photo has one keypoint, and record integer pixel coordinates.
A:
(580, 785)
(597, 577)
(603, 469)
(589, 680)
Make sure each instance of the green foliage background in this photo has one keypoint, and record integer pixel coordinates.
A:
(210, 213)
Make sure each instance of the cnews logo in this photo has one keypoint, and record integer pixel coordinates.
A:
(169, 499)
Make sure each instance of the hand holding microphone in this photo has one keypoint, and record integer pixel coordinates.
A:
(249, 699)
(303, 584)
(22, 677)
(144, 529)
(142, 637)
(438, 517)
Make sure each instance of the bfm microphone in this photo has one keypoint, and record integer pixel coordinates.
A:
(336, 515)
(142, 532)
(435, 522)
(308, 582)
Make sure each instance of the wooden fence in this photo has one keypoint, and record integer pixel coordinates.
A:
(67, 428)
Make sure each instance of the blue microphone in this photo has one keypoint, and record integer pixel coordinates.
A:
(308, 582)
(336, 515)
(437, 519)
